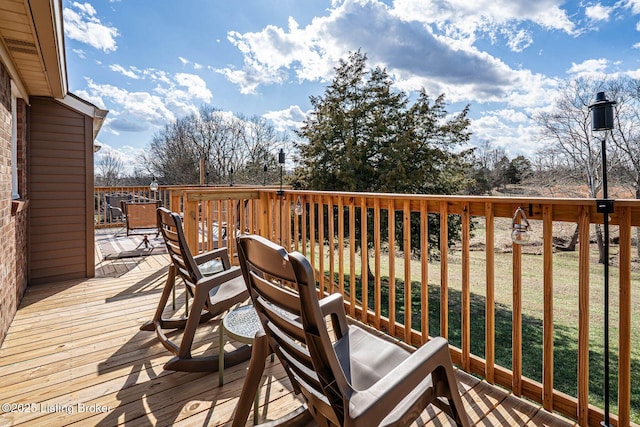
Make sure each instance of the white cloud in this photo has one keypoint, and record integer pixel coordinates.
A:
(589, 67)
(464, 19)
(137, 111)
(401, 38)
(634, 5)
(196, 86)
(287, 119)
(195, 65)
(519, 40)
(515, 136)
(81, 53)
(598, 12)
(82, 24)
(132, 72)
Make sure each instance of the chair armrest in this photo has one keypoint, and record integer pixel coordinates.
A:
(333, 305)
(209, 282)
(390, 390)
(221, 253)
(115, 208)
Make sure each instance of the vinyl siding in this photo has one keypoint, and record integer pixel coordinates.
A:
(61, 177)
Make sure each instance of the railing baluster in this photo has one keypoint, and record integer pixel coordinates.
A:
(377, 248)
(364, 259)
(352, 257)
(466, 290)
(406, 217)
(516, 323)
(321, 245)
(547, 346)
(624, 346)
(312, 231)
(331, 231)
(444, 270)
(305, 217)
(424, 270)
(490, 293)
(341, 245)
(392, 267)
(583, 318)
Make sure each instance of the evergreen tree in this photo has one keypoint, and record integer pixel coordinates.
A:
(364, 135)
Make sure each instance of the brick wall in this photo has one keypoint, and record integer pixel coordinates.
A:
(13, 226)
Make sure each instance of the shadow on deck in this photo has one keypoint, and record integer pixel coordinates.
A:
(75, 354)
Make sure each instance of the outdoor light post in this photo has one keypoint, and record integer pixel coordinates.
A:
(602, 120)
(281, 158)
(280, 193)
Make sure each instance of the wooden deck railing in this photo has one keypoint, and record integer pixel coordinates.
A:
(330, 227)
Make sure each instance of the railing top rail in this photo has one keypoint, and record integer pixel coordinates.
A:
(465, 198)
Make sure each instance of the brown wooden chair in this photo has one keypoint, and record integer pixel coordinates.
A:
(356, 379)
(141, 216)
(213, 294)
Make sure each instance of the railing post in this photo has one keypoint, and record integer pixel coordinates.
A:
(264, 220)
(191, 223)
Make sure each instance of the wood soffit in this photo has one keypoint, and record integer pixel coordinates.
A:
(32, 46)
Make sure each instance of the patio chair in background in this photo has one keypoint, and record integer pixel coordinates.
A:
(141, 216)
(213, 294)
(357, 379)
(113, 208)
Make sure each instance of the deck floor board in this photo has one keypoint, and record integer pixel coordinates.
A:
(75, 354)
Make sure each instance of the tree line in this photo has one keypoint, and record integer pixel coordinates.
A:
(363, 134)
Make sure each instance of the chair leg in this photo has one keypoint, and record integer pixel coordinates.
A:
(166, 291)
(251, 386)
(197, 305)
(444, 378)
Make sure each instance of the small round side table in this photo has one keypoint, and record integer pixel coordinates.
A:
(241, 324)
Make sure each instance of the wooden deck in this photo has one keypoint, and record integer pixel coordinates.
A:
(75, 355)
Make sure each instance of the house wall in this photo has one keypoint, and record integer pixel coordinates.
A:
(61, 238)
(13, 222)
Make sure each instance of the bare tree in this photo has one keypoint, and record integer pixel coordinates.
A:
(567, 129)
(626, 134)
(232, 146)
(109, 169)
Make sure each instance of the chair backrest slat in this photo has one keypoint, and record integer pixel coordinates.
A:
(273, 286)
(171, 228)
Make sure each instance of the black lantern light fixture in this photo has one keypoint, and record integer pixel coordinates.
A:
(231, 177)
(281, 159)
(264, 174)
(602, 121)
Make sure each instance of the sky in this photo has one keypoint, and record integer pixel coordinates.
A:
(151, 62)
